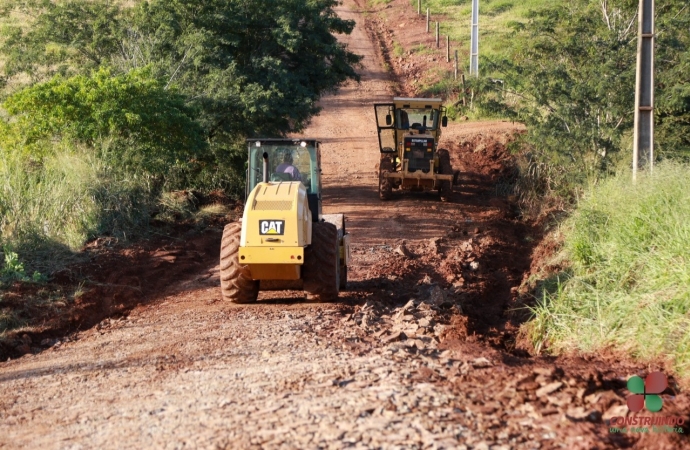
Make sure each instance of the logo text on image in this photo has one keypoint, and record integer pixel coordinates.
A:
(646, 394)
(276, 227)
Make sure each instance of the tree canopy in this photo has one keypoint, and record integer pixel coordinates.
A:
(571, 79)
(256, 67)
(150, 125)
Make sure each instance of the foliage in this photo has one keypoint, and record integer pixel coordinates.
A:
(255, 67)
(49, 207)
(63, 38)
(13, 270)
(630, 282)
(249, 68)
(571, 80)
(672, 96)
(566, 73)
(150, 126)
(108, 104)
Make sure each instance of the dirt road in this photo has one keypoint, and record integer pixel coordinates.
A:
(418, 353)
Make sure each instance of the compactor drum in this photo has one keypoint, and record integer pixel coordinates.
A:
(409, 130)
(284, 241)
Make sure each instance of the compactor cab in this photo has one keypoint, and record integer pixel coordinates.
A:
(284, 241)
(409, 130)
(304, 156)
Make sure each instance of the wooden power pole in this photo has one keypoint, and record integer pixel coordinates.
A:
(643, 139)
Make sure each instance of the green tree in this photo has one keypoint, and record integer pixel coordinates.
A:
(59, 37)
(672, 97)
(572, 72)
(152, 128)
(256, 67)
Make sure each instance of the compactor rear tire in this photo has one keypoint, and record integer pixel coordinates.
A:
(321, 268)
(236, 284)
(446, 187)
(385, 186)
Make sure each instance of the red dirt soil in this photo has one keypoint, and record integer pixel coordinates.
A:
(476, 248)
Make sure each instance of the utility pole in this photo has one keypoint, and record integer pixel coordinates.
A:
(643, 139)
(419, 7)
(427, 20)
(474, 40)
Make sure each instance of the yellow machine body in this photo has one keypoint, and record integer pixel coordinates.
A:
(412, 150)
(402, 103)
(276, 226)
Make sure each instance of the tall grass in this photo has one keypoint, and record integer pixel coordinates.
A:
(50, 207)
(629, 286)
(498, 20)
(495, 20)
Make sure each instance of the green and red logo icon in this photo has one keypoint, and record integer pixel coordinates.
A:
(646, 392)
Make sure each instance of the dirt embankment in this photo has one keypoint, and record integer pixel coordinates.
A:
(419, 352)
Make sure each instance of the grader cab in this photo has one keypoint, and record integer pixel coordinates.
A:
(409, 130)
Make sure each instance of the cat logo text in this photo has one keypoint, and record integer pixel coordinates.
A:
(272, 227)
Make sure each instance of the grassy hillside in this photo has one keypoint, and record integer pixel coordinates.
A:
(628, 286)
(495, 20)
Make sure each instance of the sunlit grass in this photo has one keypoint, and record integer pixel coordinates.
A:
(630, 282)
(49, 207)
(495, 18)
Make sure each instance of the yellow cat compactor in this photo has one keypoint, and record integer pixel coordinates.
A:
(409, 130)
(284, 240)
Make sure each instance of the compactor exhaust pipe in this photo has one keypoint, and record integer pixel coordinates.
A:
(265, 155)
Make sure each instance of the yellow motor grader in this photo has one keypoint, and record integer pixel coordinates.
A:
(409, 130)
(284, 241)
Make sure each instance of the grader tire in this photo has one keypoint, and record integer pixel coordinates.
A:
(321, 268)
(385, 186)
(445, 168)
(236, 284)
